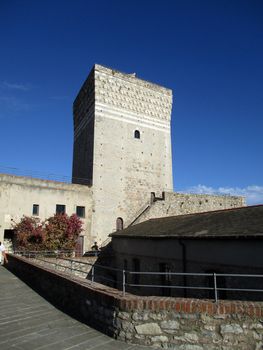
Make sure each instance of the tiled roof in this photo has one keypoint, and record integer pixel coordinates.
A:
(239, 222)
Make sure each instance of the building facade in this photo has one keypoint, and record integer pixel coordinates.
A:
(122, 144)
(122, 147)
(222, 242)
(122, 162)
(42, 198)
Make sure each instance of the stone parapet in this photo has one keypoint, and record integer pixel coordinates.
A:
(169, 323)
(175, 203)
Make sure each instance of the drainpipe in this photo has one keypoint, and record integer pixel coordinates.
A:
(182, 244)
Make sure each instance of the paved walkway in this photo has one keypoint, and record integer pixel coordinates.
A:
(29, 322)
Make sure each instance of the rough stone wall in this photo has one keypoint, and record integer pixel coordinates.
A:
(181, 204)
(18, 194)
(193, 325)
(161, 322)
(125, 169)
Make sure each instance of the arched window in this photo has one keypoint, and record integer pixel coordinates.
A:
(137, 134)
(119, 224)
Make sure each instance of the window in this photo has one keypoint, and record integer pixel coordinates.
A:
(119, 224)
(35, 210)
(80, 211)
(60, 209)
(137, 134)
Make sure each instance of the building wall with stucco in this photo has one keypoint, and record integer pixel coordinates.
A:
(18, 194)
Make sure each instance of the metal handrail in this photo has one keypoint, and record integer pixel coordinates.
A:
(40, 255)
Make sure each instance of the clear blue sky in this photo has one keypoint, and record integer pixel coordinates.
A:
(209, 53)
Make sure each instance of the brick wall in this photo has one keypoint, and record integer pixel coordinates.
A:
(170, 323)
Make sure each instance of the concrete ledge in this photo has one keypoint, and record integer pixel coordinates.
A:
(157, 321)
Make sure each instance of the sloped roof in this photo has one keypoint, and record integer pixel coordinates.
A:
(238, 222)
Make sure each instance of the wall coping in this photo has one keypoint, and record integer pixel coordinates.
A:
(130, 302)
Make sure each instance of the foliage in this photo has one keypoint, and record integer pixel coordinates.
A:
(29, 233)
(59, 232)
(62, 231)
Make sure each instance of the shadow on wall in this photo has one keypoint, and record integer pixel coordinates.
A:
(107, 270)
(84, 303)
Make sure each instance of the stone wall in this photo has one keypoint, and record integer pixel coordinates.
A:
(132, 94)
(182, 203)
(168, 323)
(124, 170)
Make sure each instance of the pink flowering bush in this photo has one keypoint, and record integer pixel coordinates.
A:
(62, 231)
(59, 232)
(29, 234)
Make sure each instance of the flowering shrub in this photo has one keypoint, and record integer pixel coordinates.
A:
(29, 233)
(62, 231)
(59, 232)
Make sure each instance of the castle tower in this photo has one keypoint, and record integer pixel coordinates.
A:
(122, 145)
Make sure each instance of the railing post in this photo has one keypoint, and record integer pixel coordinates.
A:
(215, 287)
(123, 281)
(92, 273)
(71, 266)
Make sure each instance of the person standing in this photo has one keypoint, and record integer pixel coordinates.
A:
(3, 258)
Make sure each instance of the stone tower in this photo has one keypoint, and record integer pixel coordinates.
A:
(122, 145)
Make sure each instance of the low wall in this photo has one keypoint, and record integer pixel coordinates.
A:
(170, 323)
(76, 267)
(182, 203)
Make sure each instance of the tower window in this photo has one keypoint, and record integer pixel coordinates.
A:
(119, 224)
(137, 134)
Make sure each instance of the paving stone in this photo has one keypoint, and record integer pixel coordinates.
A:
(29, 322)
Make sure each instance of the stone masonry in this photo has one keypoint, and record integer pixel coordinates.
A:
(124, 170)
(173, 203)
(161, 322)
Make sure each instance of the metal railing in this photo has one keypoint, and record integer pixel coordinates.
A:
(214, 288)
(121, 277)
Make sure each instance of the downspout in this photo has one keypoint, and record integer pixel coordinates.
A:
(182, 244)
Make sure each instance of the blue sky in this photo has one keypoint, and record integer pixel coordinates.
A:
(209, 53)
